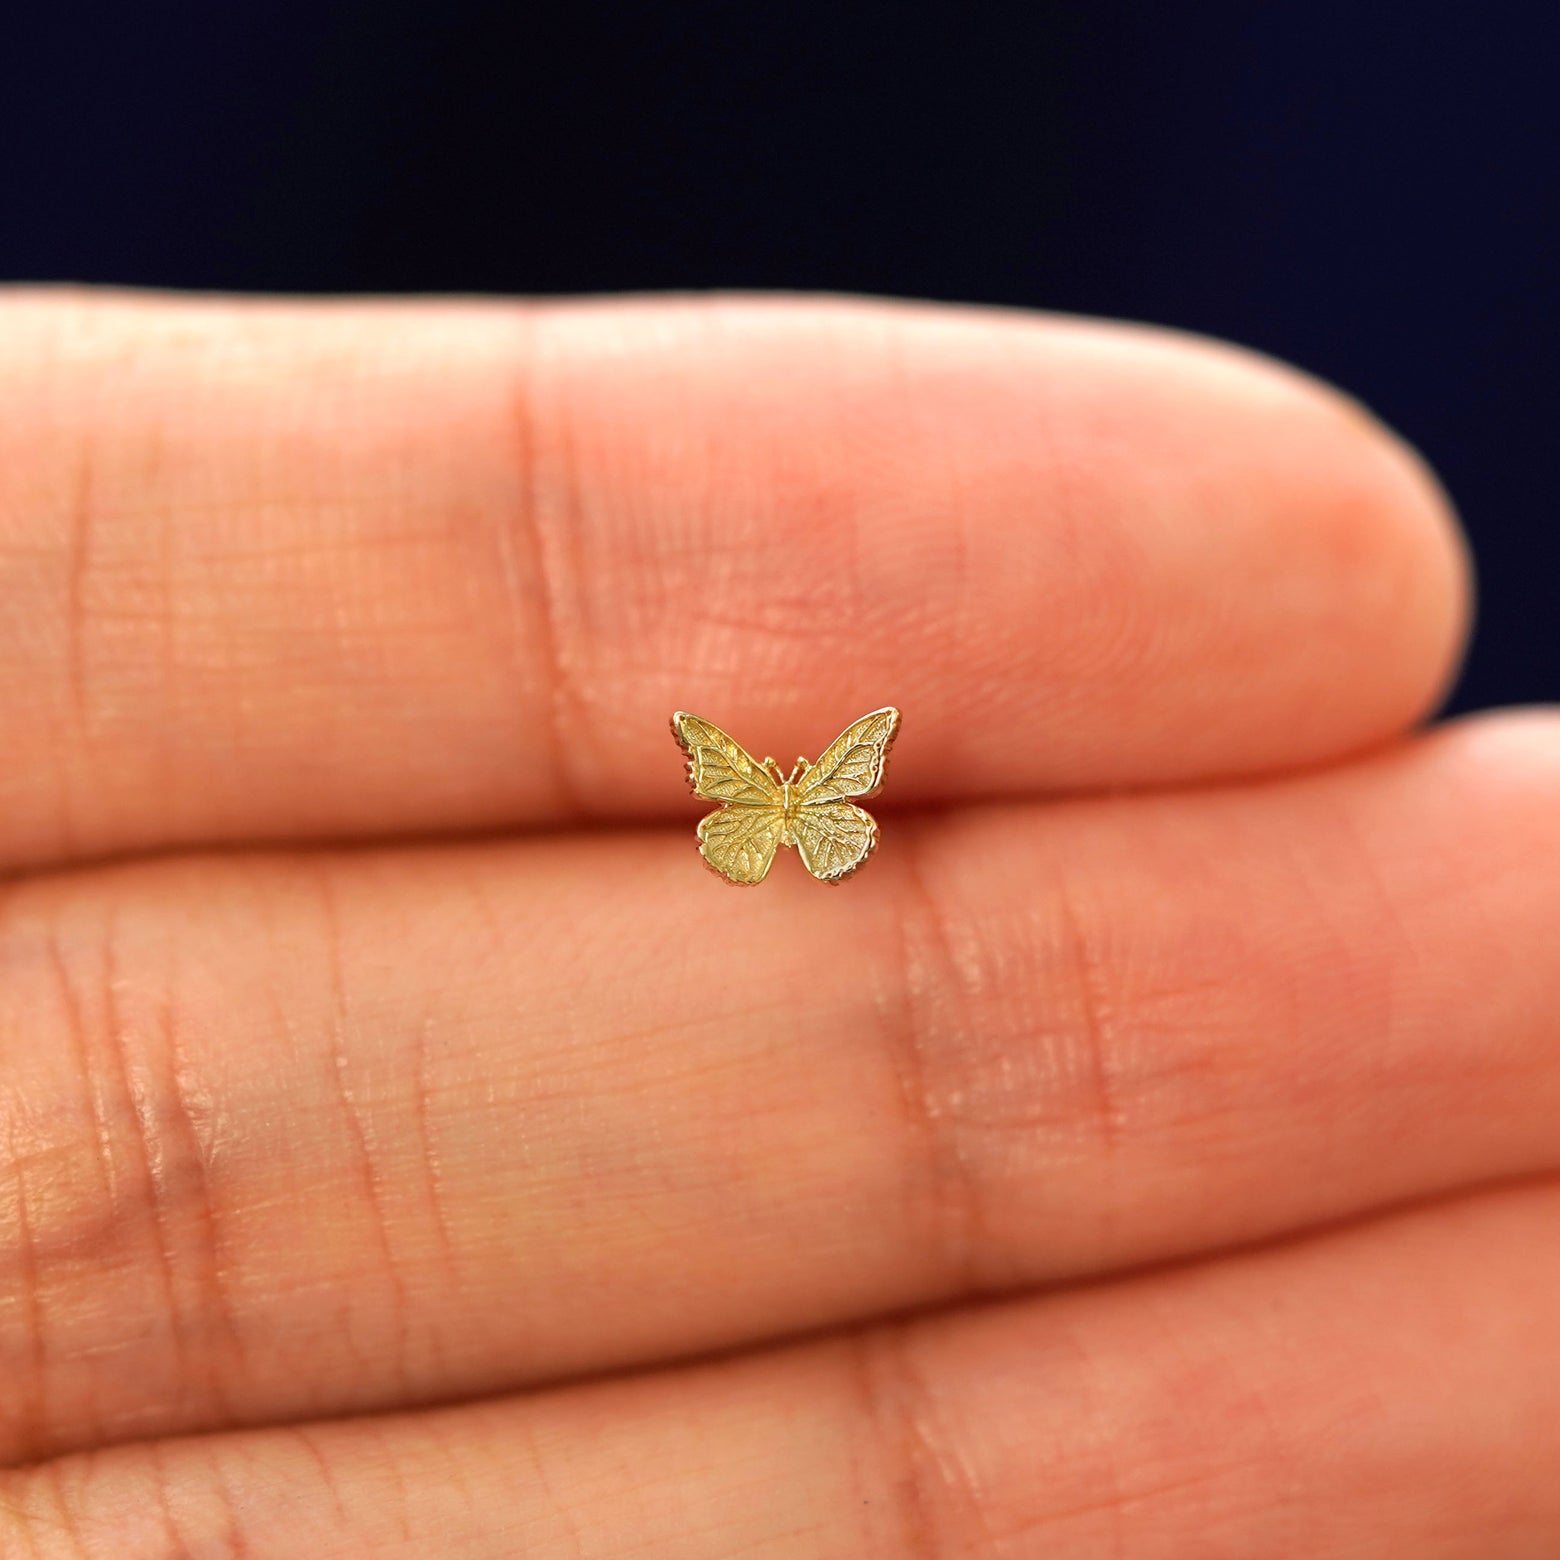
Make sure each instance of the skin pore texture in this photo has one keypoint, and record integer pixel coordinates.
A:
(406, 1149)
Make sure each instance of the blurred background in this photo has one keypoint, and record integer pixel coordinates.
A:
(1370, 191)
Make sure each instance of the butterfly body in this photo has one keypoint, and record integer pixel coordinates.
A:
(763, 809)
(790, 796)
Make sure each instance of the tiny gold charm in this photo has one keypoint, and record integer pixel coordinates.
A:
(763, 809)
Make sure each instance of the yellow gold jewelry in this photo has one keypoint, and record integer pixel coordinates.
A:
(809, 808)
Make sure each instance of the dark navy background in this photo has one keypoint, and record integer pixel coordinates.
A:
(1370, 190)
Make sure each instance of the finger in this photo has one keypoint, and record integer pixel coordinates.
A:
(1389, 1391)
(340, 1134)
(296, 570)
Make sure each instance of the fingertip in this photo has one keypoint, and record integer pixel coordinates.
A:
(1425, 565)
(1380, 577)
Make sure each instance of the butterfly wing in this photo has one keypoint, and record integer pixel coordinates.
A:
(740, 842)
(832, 833)
(718, 769)
(739, 839)
(834, 838)
(852, 764)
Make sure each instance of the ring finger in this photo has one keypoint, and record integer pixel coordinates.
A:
(1389, 1391)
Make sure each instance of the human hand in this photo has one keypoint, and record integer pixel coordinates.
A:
(1149, 1154)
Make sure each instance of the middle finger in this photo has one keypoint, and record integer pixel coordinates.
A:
(340, 1132)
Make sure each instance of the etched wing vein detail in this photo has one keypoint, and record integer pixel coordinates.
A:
(852, 764)
(718, 769)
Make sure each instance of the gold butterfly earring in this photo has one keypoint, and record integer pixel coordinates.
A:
(762, 809)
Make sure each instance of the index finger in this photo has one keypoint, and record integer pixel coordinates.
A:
(291, 570)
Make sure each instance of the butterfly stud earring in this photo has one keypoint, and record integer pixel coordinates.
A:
(811, 808)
